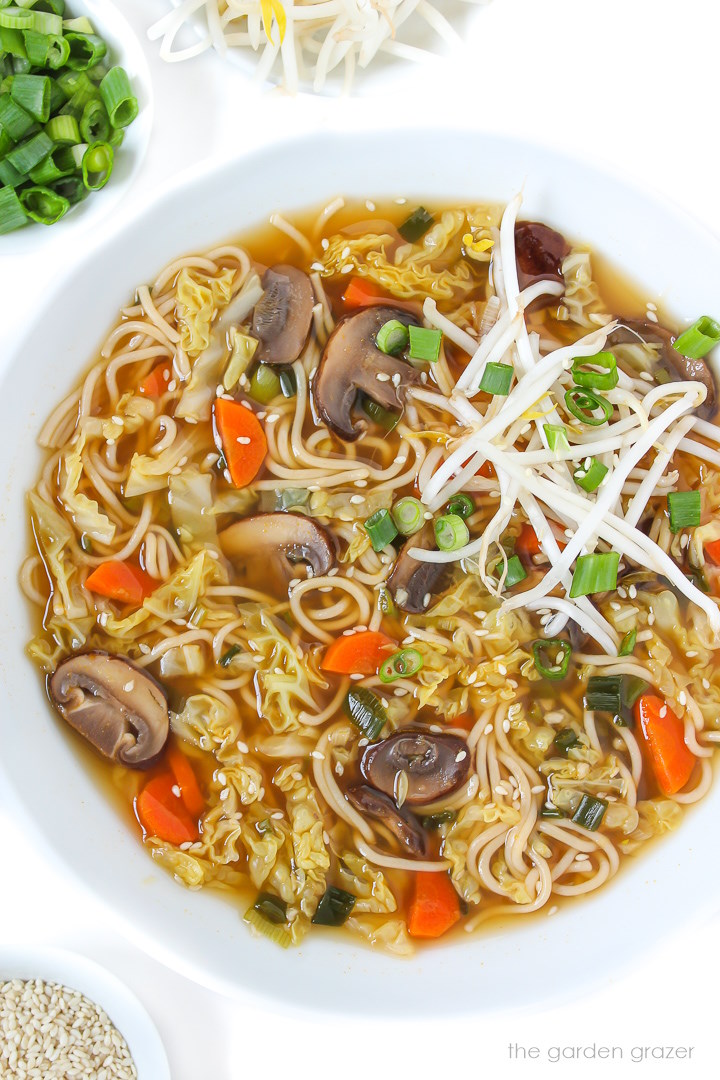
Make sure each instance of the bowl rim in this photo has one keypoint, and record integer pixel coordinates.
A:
(187, 183)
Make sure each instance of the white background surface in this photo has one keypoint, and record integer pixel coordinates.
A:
(633, 85)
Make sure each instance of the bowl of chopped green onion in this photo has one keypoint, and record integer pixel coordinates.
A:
(75, 115)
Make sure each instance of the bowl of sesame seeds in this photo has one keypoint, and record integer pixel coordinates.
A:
(64, 1017)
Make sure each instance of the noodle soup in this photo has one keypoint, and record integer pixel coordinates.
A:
(377, 558)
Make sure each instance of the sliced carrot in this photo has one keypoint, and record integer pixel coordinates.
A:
(358, 654)
(435, 906)
(487, 469)
(713, 551)
(163, 814)
(527, 542)
(664, 736)
(362, 293)
(156, 383)
(467, 721)
(120, 581)
(243, 440)
(186, 780)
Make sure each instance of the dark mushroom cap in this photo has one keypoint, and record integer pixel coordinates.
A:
(675, 363)
(412, 582)
(404, 826)
(539, 251)
(434, 764)
(116, 706)
(351, 361)
(292, 537)
(282, 315)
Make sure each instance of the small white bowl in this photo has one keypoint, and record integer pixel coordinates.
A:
(123, 49)
(100, 986)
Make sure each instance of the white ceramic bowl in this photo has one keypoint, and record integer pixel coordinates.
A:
(123, 49)
(200, 933)
(105, 989)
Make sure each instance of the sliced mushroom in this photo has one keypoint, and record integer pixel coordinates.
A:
(675, 363)
(539, 251)
(291, 537)
(282, 315)
(116, 706)
(412, 582)
(404, 826)
(351, 362)
(427, 765)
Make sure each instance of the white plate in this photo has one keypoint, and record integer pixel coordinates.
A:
(123, 49)
(105, 989)
(200, 933)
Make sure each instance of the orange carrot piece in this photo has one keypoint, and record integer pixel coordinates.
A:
(358, 654)
(527, 542)
(243, 440)
(362, 293)
(156, 383)
(435, 906)
(663, 732)
(186, 780)
(487, 469)
(713, 551)
(162, 813)
(120, 581)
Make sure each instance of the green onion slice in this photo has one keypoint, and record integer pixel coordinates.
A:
(32, 93)
(288, 382)
(26, 155)
(460, 504)
(409, 515)
(627, 645)
(552, 658)
(118, 98)
(381, 529)
(565, 740)
(94, 123)
(598, 372)
(496, 379)
(264, 384)
(334, 907)
(614, 694)
(227, 657)
(556, 435)
(415, 226)
(271, 907)
(685, 509)
(595, 573)
(12, 214)
(435, 821)
(378, 414)
(698, 339)
(97, 165)
(451, 532)
(366, 712)
(14, 119)
(515, 571)
(43, 205)
(63, 130)
(590, 477)
(400, 665)
(583, 404)
(85, 50)
(424, 343)
(590, 812)
(276, 933)
(392, 337)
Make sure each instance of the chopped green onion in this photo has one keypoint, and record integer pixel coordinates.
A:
(496, 379)
(565, 740)
(515, 571)
(684, 508)
(604, 693)
(37, 47)
(271, 907)
(85, 50)
(63, 130)
(70, 188)
(409, 515)
(400, 665)
(288, 382)
(415, 226)
(556, 435)
(595, 574)
(552, 657)
(334, 907)
(118, 98)
(97, 165)
(698, 339)
(590, 812)
(94, 123)
(14, 119)
(6, 142)
(12, 215)
(12, 43)
(276, 933)
(583, 404)
(73, 82)
(58, 52)
(461, 505)
(32, 93)
(26, 155)
(385, 603)
(43, 205)
(379, 415)
(424, 343)
(435, 821)
(590, 477)
(15, 18)
(49, 169)
(229, 656)
(585, 373)
(9, 176)
(86, 543)
(81, 25)
(550, 811)
(116, 137)
(365, 711)
(627, 645)
(392, 337)
(451, 532)
(46, 22)
(381, 529)
(264, 384)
